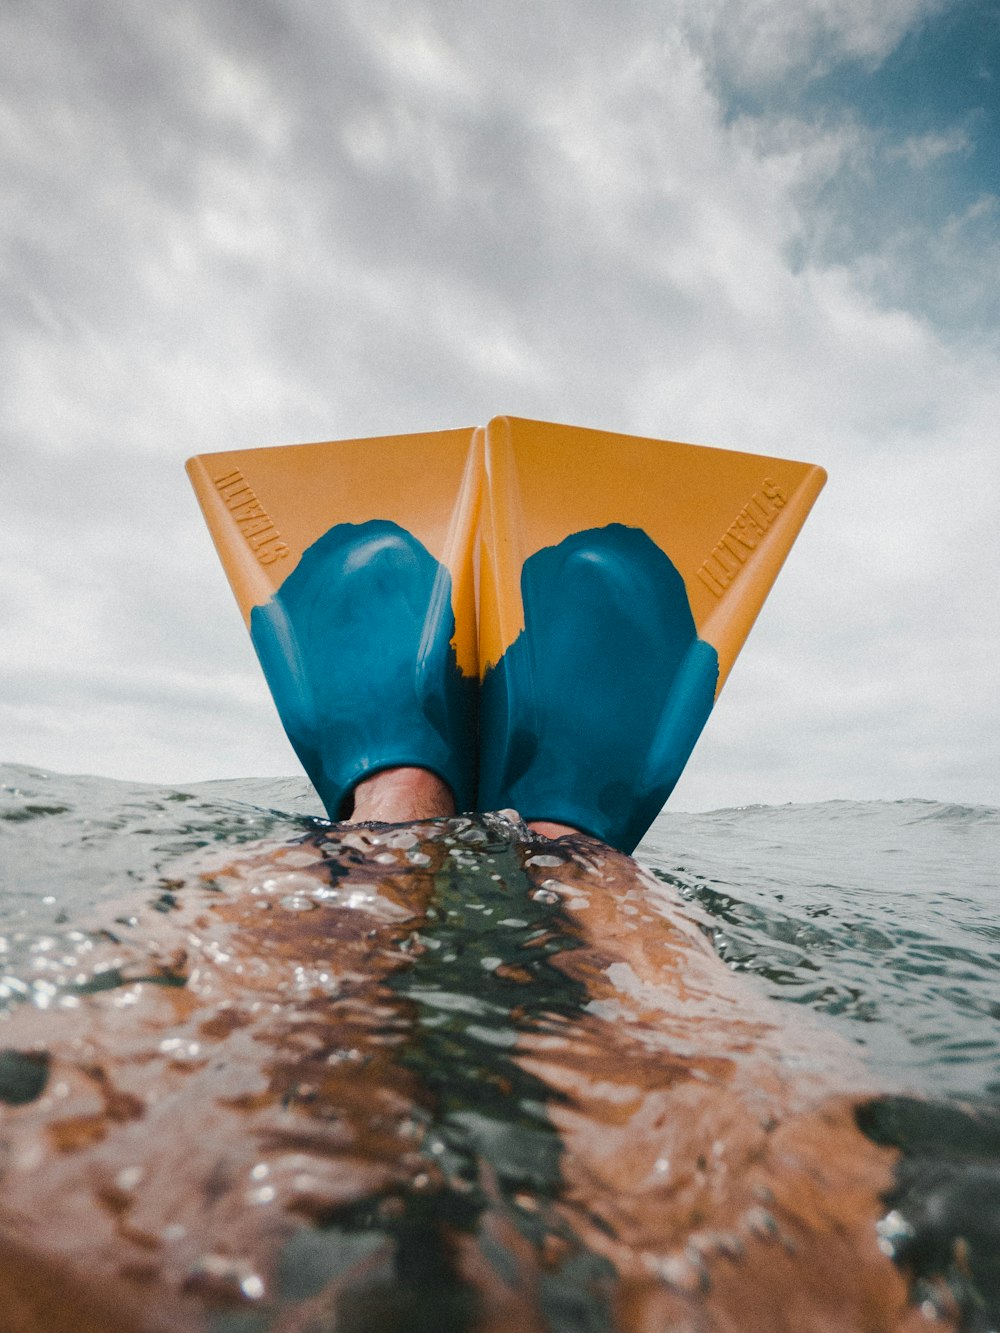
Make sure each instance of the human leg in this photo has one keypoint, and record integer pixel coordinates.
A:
(548, 829)
(398, 795)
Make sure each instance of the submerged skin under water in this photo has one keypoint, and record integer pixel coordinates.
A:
(264, 1073)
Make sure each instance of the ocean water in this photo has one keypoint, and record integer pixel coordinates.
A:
(874, 922)
(882, 918)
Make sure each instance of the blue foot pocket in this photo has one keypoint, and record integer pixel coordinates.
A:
(356, 648)
(591, 713)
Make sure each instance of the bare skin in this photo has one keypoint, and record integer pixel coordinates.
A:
(401, 795)
(550, 830)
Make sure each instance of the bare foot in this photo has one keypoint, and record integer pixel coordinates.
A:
(550, 830)
(398, 795)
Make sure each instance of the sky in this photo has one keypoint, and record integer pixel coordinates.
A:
(770, 225)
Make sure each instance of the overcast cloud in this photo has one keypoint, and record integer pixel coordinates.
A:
(769, 225)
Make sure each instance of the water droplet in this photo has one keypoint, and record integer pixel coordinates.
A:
(418, 859)
(180, 1049)
(297, 902)
(545, 896)
(222, 1275)
(402, 838)
(936, 1307)
(289, 882)
(684, 1272)
(358, 898)
(761, 1223)
(360, 841)
(893, 1232)
(346, 1055)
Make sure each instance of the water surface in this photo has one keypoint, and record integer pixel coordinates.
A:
(470, 1082)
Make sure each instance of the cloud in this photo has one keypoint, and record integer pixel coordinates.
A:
(920, 150)
(756, 44)
(225, 226)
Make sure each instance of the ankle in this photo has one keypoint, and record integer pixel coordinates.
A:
(548, 829)
(399, 795)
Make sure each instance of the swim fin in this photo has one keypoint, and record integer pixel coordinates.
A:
(352, 563)
(587, 593)
(619, 578)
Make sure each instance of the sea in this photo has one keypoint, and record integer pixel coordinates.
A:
(876, 922)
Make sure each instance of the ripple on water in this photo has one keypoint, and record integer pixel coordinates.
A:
(401, 1070)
